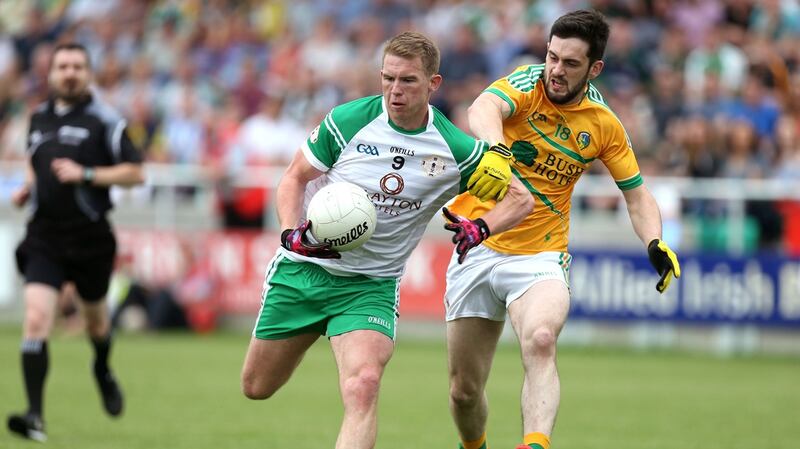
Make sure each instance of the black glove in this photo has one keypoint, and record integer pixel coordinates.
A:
(468, 233)
(295, 241)
(665, 262)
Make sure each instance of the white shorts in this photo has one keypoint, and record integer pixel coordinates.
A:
(488, 281)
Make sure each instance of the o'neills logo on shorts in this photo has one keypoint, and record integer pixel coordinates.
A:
(379, 321)
(351, 235)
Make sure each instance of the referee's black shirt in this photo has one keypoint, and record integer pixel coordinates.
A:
(90, 133)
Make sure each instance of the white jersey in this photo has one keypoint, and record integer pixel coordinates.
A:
(409, 175)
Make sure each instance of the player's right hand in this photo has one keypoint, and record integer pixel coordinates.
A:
(665, 262)
(468, 233)
(296, 241)
(492, 175)
(20, 196)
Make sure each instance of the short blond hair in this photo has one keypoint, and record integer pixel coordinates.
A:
(409, 45)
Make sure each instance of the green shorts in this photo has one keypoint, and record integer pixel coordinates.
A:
(301, 298)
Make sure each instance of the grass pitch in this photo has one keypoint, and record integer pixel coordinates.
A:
(182, 391)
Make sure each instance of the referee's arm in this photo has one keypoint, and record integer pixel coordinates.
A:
(125, 174)
(21, 195)
(127, 171)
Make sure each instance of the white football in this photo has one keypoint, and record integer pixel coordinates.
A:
(343, 215)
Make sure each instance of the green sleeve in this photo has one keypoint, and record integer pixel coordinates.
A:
(466, 150)
(330, 138)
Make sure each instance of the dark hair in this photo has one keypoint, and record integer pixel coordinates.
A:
(71, 46)
(411, 44)
(589, 26)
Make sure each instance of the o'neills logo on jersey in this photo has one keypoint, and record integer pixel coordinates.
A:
(352, 234)
(403, 151)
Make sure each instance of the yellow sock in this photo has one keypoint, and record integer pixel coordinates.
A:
(537, 440)
(480, 443)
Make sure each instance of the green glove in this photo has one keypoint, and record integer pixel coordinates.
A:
(492, 175)
(665, 262)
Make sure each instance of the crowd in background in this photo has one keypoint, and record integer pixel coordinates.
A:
(705, 88)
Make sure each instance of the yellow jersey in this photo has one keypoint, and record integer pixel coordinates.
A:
(552, 146)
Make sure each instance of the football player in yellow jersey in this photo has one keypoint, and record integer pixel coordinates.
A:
(548, 124)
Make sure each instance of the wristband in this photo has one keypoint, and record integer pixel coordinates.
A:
(502, 150)
(88, 175)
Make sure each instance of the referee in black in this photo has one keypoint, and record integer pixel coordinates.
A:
(77, 148)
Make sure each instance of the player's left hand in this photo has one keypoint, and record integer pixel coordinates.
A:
(665, 262)
(492, 175)
(468, 233)
(67, 171)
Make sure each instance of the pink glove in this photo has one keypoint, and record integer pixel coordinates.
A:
(468, 233)
(295, 241)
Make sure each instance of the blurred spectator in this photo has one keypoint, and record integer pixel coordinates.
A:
(188, 301)
(670, 52)
(8, 59)
(667, 97)
(715, 55)
(768, 65)
(325, 52)
(392, 13)
(787, 170)
(461, 64)
(776, 18)
(38, 29)
(284, 60)
(787, 166)
(187, 86)
(741, 158)
(108, 78)
(163, 44)
(714, 102)
(142, 125)
(756, 107)
(105, 40)
(696, 18)
(736, 20)
(266, 139)
(624, 59)
(34, 81)
(138, 86)
(249, 90)
(182, 131)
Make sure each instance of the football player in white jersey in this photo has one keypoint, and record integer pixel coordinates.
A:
(410, 160)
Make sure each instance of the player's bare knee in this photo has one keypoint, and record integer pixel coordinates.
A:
(464, 394)
(362, 388)
(253, 389)
(540, 343)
